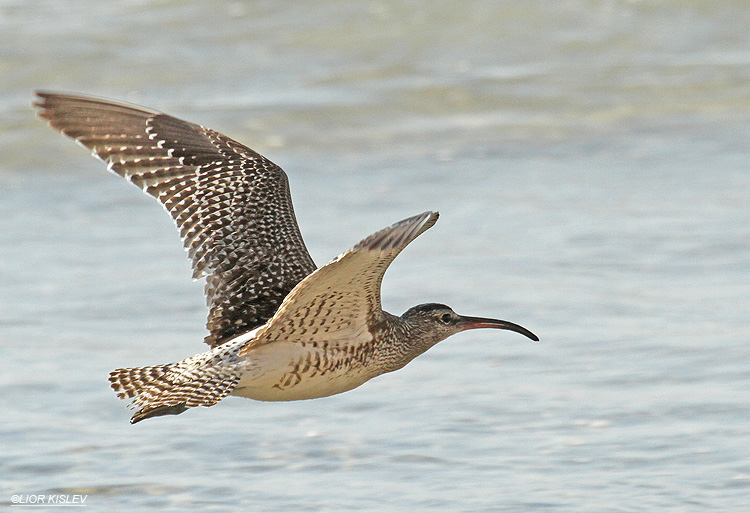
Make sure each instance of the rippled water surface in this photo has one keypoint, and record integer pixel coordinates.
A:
(590, 162)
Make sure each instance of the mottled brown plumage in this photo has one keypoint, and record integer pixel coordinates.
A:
(330, 335)
(232, 206)
(280, 330)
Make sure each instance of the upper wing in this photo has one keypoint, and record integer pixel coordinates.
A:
(231, 205)
(340, 302)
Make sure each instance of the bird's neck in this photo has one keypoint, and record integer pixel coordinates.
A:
(400, 341)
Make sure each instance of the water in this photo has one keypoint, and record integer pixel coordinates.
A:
(590, 163)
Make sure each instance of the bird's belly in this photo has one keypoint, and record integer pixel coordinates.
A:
(306, 388)
(291, 379)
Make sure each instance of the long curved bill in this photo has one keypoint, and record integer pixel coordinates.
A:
(471, 323)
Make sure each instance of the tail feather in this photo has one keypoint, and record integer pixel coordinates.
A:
(172, 389)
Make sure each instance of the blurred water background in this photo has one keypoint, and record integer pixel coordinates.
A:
(590, 162)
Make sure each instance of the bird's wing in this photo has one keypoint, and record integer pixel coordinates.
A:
(340, 302)
(231, 205)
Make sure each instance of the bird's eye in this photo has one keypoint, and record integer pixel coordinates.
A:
(446, 318)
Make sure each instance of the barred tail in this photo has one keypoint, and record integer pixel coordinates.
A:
(171, 389)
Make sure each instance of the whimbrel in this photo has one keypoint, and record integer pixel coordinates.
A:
(279, 329)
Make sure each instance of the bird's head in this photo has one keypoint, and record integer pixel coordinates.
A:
(433, 322)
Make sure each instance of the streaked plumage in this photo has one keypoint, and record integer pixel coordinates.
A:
(279, 328)
(231, 205)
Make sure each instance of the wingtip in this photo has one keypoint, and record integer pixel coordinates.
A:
(45, 101)
(48, 99)
(400, 234)
(39, 103)
(424, 221)
(431, 216)
(41, 96)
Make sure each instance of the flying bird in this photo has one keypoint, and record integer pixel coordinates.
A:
(279, 329)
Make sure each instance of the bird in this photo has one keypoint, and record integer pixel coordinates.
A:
(279, 328)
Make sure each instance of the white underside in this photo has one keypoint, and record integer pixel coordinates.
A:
(270, 378)
(265, 389)
(270, 374)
